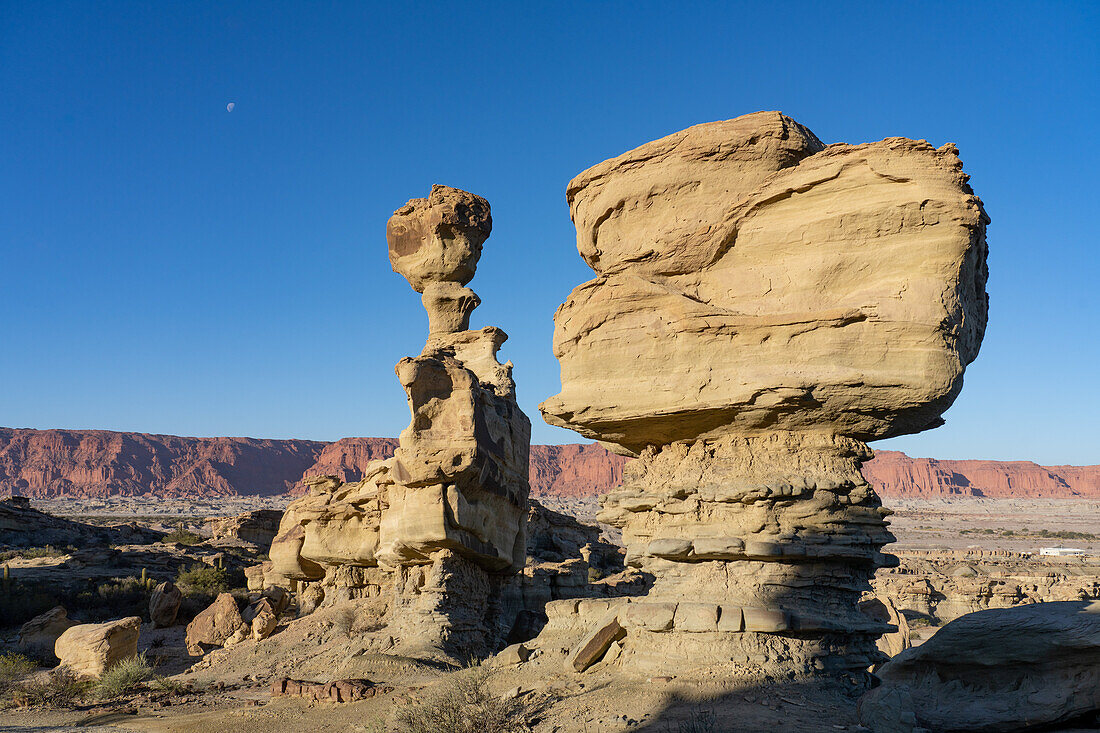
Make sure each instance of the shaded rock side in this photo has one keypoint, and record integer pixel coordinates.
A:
(89, 650)
(997, 670)
(38, 636)
(164, 604)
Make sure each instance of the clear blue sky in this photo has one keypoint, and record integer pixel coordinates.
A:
(168, 266)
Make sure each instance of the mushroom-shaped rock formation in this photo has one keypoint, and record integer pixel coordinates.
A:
(763, 304)
(440, 526)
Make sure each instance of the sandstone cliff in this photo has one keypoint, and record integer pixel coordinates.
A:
(87, 463)
(90, 463)
(896, 474)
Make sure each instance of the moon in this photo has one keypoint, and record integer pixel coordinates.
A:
(229, 107)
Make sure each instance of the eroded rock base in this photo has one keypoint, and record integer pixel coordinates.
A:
(760, 549)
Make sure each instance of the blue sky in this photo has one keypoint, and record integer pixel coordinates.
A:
(168, 266)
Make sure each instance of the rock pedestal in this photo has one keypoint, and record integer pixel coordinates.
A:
(774, 535)
(438, 529)
(764, 304)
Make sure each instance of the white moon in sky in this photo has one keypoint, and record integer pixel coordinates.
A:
(229, 107)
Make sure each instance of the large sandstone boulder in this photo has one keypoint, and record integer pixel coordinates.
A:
(39, 635)
(997, 670)
(213, 626)
(89, 650)
(164, 604)
(750, 278)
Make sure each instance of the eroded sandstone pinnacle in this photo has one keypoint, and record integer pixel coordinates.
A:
(439, 528)
(763, 304)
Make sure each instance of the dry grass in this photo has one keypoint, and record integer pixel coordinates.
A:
(123, 677)
(463, 703)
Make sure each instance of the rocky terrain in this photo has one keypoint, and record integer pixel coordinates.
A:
(105, 465)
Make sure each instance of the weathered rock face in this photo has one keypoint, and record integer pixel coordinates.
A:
(763, 304)
(751, 279)
(21, 525)
(257, 528)
(439, 527)
(89, 650)
(214, 626)
(997, 670)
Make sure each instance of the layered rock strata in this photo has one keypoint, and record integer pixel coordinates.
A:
(438, 528)
(763, 304)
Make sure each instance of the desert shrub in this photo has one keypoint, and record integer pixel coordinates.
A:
(183, 536)
(59, 689)
(14, 668)
(165, 684)
(123, 676)
(203, 580)
(699, 721)
(115, 598)
(463, 703)
(343, 621)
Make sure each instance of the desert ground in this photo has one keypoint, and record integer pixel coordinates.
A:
(230, 690)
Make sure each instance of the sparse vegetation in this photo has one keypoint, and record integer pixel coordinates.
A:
(22, 685)
(183, 536)
(165, 684)
(123, 677)
(1042, 534)
(59, 689)
(204, 580)
(14, 668)
(463, 703)
(699, 721)
(31, 553)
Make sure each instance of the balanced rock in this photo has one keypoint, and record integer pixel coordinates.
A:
(439, 526)
(39, 635)
(89, 650)
(763, 304)
(996, 670)
(164, 604)
(213, 626)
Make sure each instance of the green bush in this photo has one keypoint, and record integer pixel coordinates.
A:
(204, 580)
(183, 536)
(463, 703)
(123, 677)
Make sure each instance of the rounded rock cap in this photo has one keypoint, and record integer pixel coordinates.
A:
(438, 239)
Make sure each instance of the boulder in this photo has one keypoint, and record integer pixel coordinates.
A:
(592, 648)
(164, 604)
(996, 670)
(213, 626)
(38, 636)
(749, 277)
(89, 650)
(263, 623)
